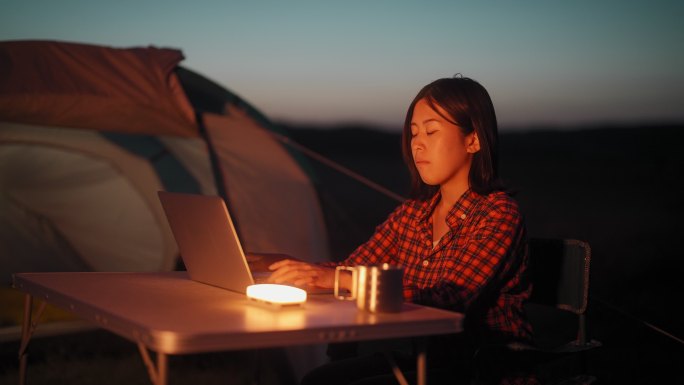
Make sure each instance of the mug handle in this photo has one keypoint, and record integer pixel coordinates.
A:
(352, 295)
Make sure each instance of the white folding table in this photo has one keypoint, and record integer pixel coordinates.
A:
(170, 314)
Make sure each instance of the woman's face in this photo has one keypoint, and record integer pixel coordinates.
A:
(441, 152)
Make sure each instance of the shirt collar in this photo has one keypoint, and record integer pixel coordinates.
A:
(462, 209)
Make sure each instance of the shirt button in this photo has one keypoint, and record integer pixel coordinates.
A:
(463, 216)
(426, 262)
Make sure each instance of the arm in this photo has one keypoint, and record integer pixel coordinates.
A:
(378, 249)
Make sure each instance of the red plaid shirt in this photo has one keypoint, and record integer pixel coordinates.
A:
(478, 267)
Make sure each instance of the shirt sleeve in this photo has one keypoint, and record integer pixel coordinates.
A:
(485, 256)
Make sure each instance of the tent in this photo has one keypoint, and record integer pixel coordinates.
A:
(89, 134)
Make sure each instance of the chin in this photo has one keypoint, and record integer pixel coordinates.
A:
(429, 181)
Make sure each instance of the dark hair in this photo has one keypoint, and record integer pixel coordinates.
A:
(468, 106)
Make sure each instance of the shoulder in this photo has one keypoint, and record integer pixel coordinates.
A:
(500, 204)
(411, 209)
(413, 205)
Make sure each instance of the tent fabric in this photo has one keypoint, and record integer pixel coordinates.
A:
(75, 85)
(173, 175)
(274, 214)
(99, 198)
(193, 154)
(78, 180)
(83, 130)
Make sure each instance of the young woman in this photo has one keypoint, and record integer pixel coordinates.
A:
(460, 238)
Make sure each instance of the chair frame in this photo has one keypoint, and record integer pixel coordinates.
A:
(527, 354)
(580, 342)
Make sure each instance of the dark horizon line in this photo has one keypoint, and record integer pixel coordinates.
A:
(650, 124)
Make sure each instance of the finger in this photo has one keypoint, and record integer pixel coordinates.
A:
(289, 275)
(279, 264)
(285, 267)
(291, 265)
(281, 271)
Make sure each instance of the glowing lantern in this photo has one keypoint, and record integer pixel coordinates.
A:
(276, 294)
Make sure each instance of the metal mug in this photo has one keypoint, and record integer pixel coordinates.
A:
(374, 288)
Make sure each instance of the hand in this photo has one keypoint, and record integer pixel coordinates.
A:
(300, 274)
(260, 262)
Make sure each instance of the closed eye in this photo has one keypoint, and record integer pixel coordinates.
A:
(432, 126)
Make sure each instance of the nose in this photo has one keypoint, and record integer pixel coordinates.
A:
(418, 142)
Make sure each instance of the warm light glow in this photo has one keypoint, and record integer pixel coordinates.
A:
(284, 317)
(276, 294)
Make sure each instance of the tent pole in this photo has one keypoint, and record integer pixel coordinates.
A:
(285, 140)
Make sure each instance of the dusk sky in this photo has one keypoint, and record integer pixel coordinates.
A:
(326, 62)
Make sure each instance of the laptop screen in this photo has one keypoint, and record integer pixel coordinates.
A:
(207, 240)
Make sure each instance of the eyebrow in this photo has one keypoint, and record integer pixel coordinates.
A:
(427, 120)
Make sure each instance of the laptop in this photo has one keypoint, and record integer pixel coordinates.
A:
(207, 240)
(209, 244)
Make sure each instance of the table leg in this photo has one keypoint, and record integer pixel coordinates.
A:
(25, 335)
(158, 373)
(162, 370)
(28, 326)
(421, 362)
(395, 369)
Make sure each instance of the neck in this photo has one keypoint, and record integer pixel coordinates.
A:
(451, 194)
(452, 189)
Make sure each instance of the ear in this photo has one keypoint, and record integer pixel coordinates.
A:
(472, 143)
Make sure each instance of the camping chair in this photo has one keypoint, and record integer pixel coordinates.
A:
(559, 270)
